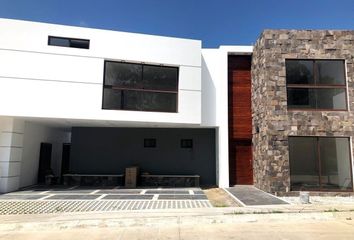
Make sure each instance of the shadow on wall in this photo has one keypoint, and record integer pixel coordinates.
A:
(111, 150)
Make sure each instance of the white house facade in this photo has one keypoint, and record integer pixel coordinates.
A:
(97, 101)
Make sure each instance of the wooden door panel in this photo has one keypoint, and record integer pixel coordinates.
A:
(240, 120)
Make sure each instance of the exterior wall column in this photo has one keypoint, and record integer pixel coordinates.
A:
(11, 145)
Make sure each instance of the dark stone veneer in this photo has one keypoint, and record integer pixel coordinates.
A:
(272, 122)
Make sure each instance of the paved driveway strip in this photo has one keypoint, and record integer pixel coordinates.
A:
(251, 196)
(41, 200)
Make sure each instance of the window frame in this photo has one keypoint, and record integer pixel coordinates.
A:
(318, 162)
(176, 92)
(317, 85)
(70, 40)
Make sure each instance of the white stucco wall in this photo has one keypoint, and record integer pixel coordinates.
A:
(37, 80)
(64, 85)
(215, 102)
(34, 134)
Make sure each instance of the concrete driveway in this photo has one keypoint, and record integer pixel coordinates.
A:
(86, 199)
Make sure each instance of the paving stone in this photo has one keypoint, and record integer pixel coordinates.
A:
(20, 197)
(73, 197)
(136, 197)
(182, 197)
(74, 191)
(119, 191)
(166, 192)
(250, 195)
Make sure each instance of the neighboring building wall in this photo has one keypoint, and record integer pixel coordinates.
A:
(269, 99)
(34, 135)
(111, 150)
(37, 80)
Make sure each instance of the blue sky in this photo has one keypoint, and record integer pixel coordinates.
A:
(218, 22)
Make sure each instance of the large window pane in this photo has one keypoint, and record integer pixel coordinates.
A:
(162, 78)
(317, 98)
(330, 72)
(331, 98)
(125, 75)
(142, 87)
(150, 101)
(301, 98)
(299, 72)
(335, 163)
(111, 99)
(304, 169)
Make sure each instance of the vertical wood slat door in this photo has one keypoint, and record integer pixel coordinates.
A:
(240, 120)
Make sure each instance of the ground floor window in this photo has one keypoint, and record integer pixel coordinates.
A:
(320, 163)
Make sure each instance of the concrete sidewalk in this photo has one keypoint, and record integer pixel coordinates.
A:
(185, 216)
(290, 230)
(180, 225)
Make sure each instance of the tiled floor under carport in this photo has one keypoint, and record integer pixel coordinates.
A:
(85, 199)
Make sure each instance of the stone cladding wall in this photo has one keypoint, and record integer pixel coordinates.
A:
(272, 122)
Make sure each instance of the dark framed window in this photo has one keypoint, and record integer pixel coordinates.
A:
(149, 143)
(68, 42)
(316, 84)
(186, 143)
(140, 87)
(320, 163)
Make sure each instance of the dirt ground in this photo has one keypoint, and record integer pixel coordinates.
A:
(219, 198)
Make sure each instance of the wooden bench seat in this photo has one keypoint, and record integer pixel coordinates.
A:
(93, 179)
(170, 180)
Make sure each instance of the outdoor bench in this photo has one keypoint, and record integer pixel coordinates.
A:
(170, 180)
(93, 179)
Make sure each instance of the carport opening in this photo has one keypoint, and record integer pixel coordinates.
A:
(164, 157)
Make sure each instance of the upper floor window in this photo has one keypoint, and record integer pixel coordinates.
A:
(316, 84)
(140, 87)
(69, 42)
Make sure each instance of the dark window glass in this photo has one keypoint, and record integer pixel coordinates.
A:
(304, 168)
(317, 98)
(331, 98)
(149, 101)
(142, 87)
(62, 42)
(149, 143)
(301, 98)
(323, 89)
(79, 43)
(186, 143)
(112, 99)
(330, 72)
(335, 163)
(320, 163)
(125, 75)
(156, 77)
(69, 42)
(299, 72)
